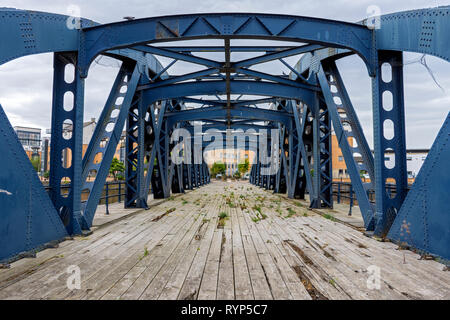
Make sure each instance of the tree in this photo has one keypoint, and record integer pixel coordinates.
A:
(36, 163)
(217, 168)
(243, 167)
(116, 167)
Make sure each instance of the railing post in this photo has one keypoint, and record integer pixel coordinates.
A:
(106, 197)
(351, 200)
(120, 197)
(339, 193)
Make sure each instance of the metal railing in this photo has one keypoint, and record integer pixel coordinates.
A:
(343, 193)
(112, 190)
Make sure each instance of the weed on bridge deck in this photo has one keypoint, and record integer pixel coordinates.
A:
(226, 241)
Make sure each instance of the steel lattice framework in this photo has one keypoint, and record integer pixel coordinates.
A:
(151, 103)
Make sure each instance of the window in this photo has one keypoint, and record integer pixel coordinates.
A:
(409, 158)
(340, 172)
(340, 158)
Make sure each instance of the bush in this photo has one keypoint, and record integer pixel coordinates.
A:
(217, 168)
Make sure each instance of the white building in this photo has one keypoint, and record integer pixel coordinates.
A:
(414, 160)
(29, 137)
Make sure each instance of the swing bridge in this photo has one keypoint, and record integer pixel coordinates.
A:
(296, 113)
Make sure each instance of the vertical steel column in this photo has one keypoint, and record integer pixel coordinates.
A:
(67, 140)
(135, 147)
(389, 135)
(300, 142)
(315, 196)
(322, 193)
(160, 173)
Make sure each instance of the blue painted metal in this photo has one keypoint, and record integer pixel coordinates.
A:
(107, 135)
(422, 31)
(387, 206)
(237, 87)
(28, 218)
(424, 219)
(303, 104)
(322, 174)
(336, 109)
(235, 113)
(67, 145)
(98, 39)
(299, 152)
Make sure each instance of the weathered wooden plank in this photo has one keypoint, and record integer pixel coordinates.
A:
(191, 285)
(225, 286)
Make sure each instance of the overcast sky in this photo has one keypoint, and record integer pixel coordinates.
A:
(26, 83)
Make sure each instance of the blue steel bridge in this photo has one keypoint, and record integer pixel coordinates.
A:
(151, 103)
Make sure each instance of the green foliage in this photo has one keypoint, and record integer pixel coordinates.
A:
(46, 174)
(329, 217)
(257, 208)
(36, 163)
(243, 167)
(291, 212)
(217, 168)
(116, 168)
(223, 215)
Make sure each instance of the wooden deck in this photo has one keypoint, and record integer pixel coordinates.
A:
(265, 248)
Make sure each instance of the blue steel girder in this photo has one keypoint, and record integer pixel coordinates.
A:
(280, 177)
(261, 88)
(98, 39)
(135, 154)
(232, 48)
(389, 135)
(327, 80)
(107, 135)
(235, 113)
(423, 31)
(198, 75)
(67, 145)
(349, 117)
(25, 32)
(300, 148)
(158, 161)
(322, 195)
(423, 220)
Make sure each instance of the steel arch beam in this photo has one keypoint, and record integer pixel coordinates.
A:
(221, 112)
(26, 32)
(98, 39)
(237, 87)
(422, 31)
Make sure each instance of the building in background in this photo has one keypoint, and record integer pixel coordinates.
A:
(38, 146)
(230, 157)
(414, 160)
(30, 138)
(338, 163)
